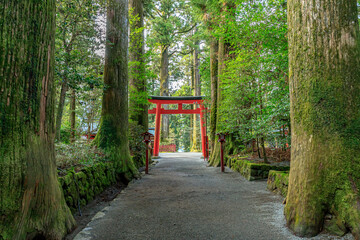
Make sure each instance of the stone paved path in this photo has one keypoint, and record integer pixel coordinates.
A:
(182, 198)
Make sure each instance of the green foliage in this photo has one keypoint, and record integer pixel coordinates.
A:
(65, 135)
(170, 21)
(138, 67)
(77, 40)
(255, 81)
(180, 124)
(79, 64)
(78, 154)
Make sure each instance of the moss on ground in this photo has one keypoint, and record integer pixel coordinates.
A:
(278, 182)
(254, 171)
(80, 188)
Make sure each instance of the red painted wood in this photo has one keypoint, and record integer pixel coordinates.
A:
(147, 158)
(175, 111)
(175, 101)
(159, 111)
(222, 157)
(157, 130)
(203, 130)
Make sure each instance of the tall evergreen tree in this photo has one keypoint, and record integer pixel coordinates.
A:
(137, 81)
(138, 101)
(195, 146)
(170, 24)
(31, 201)
(113, 131)
(325, 115)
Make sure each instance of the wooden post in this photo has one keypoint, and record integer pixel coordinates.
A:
(147, 158)
(157, 130)
(203, 130)
(222, 157)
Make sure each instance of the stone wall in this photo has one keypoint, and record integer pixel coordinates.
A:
(254, 171)
(82, 187)
(278, 182)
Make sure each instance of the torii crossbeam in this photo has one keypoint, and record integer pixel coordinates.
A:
(179, 101)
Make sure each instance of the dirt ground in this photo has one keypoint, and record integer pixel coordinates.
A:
(183, 198)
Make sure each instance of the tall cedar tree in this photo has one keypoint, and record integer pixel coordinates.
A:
(113, 130)
(195, 144)
(222, 53)
(138, 109)
(325, 118)
(138, 104)
(214, 47)
(170, 23)
(31, 201)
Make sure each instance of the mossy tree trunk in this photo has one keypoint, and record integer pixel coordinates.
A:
(227, 14)
(60, 108)
(325, 117)
(113, 130)
(215, 153)
(138, 105)
(31, 201)
(137, 81)
(164, 89)
(214, 47)
(195, 147)
(73, 115)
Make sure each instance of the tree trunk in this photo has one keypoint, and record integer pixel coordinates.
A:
(258, 147)
(264, 149)
(192, 116)
(164, 89)
(60, 108)
(137, 81)
(197, 92)
(31, 201)
(222, 54)
(113, 131)
(73, 115)
(214, 47)
(215, 154)
(325, 102)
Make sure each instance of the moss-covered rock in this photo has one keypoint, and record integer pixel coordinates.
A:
(278, 182)
(82, 187)
(335, 226)
(68, 179)
(254, 171)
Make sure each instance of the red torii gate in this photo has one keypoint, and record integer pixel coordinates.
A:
(179, 101)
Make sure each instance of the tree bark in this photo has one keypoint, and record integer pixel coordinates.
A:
(264, 150)
(60, 108)
(138, 100)
(197, 92)
(214, 47)
(223, 50)
(215, 154)
(31, 201)
(192, 116)
(164, 89)
(113, 131)
(73, 115)
(325, 118)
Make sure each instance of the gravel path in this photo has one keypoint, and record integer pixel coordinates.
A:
(182, 198)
